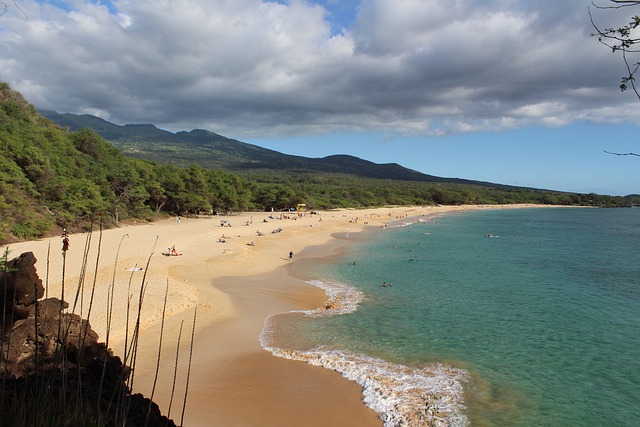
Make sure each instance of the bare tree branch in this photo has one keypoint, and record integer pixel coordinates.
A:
(621, 40)
(622, 154)
(4, 6)
(620, 4)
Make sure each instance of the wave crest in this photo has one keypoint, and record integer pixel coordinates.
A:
(401, 395)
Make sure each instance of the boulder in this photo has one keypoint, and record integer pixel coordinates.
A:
(20, 287)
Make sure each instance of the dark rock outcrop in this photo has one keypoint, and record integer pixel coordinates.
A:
(57, 357)
(21, 287)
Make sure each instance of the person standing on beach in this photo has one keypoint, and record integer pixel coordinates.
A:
(65, 241)
(291, 255)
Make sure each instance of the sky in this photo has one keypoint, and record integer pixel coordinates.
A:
(510, 92)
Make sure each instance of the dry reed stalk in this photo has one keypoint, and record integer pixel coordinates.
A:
(126, 331)
(133, 346)
(136, 334)
(46, 282)
(8, 339)
(186, 387)
(175, 371)
(61, 342)
(125, 357)
(65, 335)
(82, 335)
(81, 277)
(155, 378)
(62, 285)
(35, 359)
(110, 297)
(141, 297)
(4, 325)
(93, 287)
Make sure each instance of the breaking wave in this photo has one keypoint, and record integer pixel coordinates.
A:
(401, 395)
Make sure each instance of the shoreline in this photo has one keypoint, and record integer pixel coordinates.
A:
(432, 394)
(236, 287)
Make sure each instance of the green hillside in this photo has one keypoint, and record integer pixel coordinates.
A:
(52, 177)
(214, 151)
(353, 181)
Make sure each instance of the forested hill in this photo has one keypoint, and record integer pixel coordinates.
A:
(53, 178)
(211, 150)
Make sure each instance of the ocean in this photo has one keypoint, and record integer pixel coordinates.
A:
(510, 317)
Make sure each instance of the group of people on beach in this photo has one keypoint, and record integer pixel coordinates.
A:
(171, 251)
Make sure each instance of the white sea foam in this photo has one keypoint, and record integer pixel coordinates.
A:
(401, 395)
(342, 299)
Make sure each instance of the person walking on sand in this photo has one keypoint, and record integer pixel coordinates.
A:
(291, 255)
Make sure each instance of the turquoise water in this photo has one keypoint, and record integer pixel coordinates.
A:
(543, 317)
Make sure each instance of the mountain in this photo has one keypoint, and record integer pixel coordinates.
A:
(214, 151)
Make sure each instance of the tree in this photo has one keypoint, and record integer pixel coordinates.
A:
(174, 195)
(126, 191)
(623, 40)
(197, 187)
(275, 196)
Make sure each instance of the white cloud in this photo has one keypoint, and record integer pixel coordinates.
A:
(249, 67)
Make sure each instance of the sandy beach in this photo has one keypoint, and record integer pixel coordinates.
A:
(234, 269)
